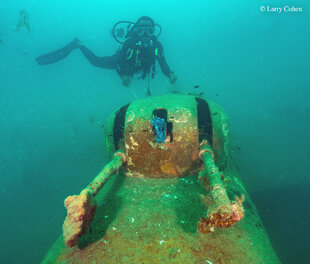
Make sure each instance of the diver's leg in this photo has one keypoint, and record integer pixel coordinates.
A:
(57, 55)
(107, 62)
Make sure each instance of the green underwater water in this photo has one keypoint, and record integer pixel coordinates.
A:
(254, 64)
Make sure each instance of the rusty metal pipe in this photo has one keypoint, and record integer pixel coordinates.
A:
(217, 188)
(221, 213)
(110, 169)
(81, 208)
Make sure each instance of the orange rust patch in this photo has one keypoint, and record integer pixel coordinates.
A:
(160, 160)
(169, 168)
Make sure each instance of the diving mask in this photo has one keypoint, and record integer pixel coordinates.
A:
(141, 30)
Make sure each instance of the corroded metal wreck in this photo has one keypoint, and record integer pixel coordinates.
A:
(170, 194)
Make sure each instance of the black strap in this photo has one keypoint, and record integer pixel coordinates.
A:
(204, 120)
(119, 125)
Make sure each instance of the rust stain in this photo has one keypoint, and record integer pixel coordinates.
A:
(152, 159)
(169, 168)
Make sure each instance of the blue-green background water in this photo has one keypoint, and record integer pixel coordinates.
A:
(255, 64)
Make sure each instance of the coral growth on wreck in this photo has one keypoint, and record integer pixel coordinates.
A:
(81, 210)
(222, 217)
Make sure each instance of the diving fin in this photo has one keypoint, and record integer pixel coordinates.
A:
(59, 54)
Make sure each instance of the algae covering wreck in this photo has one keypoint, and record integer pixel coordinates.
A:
(170, 194)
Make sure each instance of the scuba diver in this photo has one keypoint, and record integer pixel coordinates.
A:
(138, 52)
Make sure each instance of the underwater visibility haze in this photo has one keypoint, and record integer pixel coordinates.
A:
(248, 58)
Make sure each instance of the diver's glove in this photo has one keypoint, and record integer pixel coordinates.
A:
(172, 77)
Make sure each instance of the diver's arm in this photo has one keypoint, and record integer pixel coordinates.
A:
(107, 62)
(162, 61)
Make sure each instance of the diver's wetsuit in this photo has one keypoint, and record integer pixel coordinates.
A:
(132, 58)
(135, 55)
